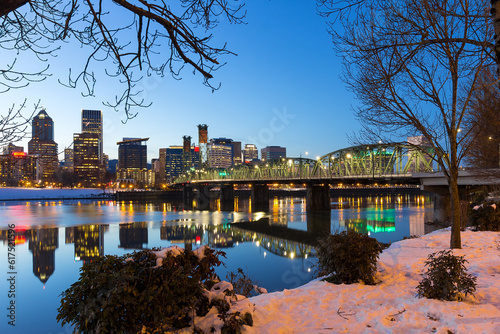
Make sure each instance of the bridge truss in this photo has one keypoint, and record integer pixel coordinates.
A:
(376, 160)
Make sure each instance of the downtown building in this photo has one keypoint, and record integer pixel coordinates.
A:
(269, 153)
(250, 153)
(221, 153)
(132, 164)
(176, 160)
(88, 158)
(18, 168)
(43, 147)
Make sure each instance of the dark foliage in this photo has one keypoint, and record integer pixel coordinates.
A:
(115, 295)
(242, 284)
(348, 257)
(446, 277)
(485, 217)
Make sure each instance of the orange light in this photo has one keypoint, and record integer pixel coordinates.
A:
(19, 154)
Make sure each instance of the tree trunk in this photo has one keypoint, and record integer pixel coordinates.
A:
(8, 6)
(455, 240)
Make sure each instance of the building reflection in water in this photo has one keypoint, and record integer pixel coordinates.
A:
(133, 235)
(43, 242)
(88, 240)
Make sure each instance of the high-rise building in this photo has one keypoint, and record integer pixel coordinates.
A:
(250, 153)
(220, 153)
(92, 123)
(203, 142)
(68, 160)
(86, 158)
(269, 153)
(237, 154)
(42, 144)
(132, 163)
(161, 174)
(132, 153)
(174, 161)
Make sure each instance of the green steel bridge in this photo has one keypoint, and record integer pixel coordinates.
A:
(375, 161)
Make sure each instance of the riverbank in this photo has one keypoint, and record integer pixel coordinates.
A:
(53, 194)
(391, 306)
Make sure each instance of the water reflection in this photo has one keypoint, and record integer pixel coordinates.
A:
(53, 239)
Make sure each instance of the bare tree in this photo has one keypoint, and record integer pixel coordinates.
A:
(414, 66)
(14, 124)
(132, 38)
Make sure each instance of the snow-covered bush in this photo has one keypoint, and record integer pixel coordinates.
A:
(446, 277)
(485, 217)
(150, 291)
(348, 257)
(243, 285)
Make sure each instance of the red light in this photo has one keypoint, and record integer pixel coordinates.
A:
(197, 149)
(19, 154)
(198, 239)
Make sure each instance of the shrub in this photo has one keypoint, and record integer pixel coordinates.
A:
(348, 257)
(136, 292)
(243, 285)
(485, 217)
(446, 277)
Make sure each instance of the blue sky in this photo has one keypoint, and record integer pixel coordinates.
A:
(282, 88)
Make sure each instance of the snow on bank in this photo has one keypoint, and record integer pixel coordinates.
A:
(47, 193)
(392, 306)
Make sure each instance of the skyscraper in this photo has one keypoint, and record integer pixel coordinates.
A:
(42, 144)
(250, 153)
(86, 158)
(220, 153)
(132, 153)
(92, 123)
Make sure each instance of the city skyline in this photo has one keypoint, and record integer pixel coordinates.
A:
(282, 89)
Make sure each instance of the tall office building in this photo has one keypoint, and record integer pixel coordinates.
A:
(203, 142)
(132, 153)
(68, 160)
(174, 161)
(250, 153)
(132, 163)
(42, 144)
(220, 153)
(86, 162)
(161, 175)
(269, 153)
(92, 123)
(237, 154)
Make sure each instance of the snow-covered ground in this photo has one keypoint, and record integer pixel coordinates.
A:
(392, 305)
(47, 193)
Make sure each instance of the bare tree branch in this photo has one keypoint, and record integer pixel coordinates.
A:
(131, 38)
(414, 66)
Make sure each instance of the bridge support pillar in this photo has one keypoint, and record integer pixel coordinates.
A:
(318, 197)
(203, 197)
(260, 197)
(226, 197)
(187, 198)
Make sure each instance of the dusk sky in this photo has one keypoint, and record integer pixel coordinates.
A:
(282, 88)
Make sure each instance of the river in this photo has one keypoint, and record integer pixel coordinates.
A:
(54, 239)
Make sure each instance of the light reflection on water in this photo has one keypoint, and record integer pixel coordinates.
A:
(53, 240)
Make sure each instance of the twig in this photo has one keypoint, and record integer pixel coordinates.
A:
(342, 313)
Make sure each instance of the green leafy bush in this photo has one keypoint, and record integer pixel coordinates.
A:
(485, 217)
(348, 257)
(446, 277)
(139, 292)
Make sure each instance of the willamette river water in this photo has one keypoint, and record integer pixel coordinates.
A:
(54, 239)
